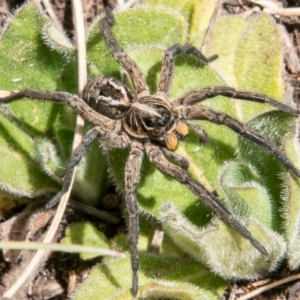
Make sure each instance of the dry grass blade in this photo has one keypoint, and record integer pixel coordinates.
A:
(41, 255)
(269, 287)
(274, 9)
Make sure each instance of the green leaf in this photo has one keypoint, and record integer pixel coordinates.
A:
(226, 29)
(36, 137)
(290, 196)
(258, 64)
(241, 183)
(172, 279)
(198, 13)
(85, 234)
(214, 244)
(165, 28)
(273, 125)
(252, 60)
(23, 57)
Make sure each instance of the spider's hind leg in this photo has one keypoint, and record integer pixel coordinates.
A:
(132, 177)
(200, 112)
(157, 158)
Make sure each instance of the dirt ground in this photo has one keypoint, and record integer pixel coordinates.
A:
(57, 278)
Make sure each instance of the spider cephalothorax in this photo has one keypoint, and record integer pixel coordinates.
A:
(148, 118)
(151, 125)
(152, 118)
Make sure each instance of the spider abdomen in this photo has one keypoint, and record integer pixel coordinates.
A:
(108, 96)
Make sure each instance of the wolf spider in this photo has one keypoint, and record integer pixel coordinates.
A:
(149, 124)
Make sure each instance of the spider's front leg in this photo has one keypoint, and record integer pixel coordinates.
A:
(132, 177)
(80, 106)
(205, 113)
(157, 158)
(118, 141)
(121, 57)
(167, 65)
(90, 136)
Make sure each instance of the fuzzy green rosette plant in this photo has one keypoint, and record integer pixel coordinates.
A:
(35, 145)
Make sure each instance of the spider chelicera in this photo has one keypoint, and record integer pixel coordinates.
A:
(153, 126)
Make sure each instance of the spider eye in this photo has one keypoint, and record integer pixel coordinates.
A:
(160, 120)
(108, 96)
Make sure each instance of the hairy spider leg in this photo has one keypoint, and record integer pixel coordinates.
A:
(202, 94)
(121, 57)
(79, 152)
(180, 160)
(63, 98)
(203, 138)
(201, 112)
(132, 178)
(157, 158)
(167, 65)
